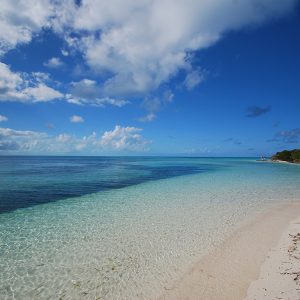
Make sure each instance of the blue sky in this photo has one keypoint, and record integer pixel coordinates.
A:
(207, 78)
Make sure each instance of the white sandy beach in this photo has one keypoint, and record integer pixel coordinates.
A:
(280, 273)
(259, 261)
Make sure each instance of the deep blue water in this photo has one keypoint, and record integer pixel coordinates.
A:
(30, 180)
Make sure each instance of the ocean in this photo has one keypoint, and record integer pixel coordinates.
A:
(123, 227)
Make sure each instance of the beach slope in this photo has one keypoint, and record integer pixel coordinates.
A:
(228, 271)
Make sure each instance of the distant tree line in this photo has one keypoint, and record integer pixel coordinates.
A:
(288, 155)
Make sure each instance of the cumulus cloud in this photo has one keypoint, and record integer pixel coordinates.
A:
(3, 118)
(9, 82)
(21, 19)
(76, 119)
(124, 138)
(88, 92)
(41, 93)
(256, 111)
(118, 139)
(140, 58)
(24, 87)
(8, 132)
(33, 87)
(54, 63)
(11, 139)
(135, 45)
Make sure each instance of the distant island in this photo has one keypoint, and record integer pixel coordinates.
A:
(292, 156)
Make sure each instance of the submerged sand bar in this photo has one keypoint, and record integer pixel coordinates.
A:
(228, 271)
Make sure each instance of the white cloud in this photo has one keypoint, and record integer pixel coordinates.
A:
(100, 102)
(11, 139)
(64, 52)
(9, 81)
(54, 63)
(135, 45)
(192, 79)
(76, 119)
(88, 92)
(40, 77)
(3, 118)
(8, 132)
(148, 118)
(140, 58)
(23, 87)
(124, 138)
(41, 93)
(63, 138)
(21, 19)
(118, 139)
(109, 101)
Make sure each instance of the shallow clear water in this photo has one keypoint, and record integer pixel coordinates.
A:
(147, 221)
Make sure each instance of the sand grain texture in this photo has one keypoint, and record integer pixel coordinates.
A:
(228, 271)
(280, 273)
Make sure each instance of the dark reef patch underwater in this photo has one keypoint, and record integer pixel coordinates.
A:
(31, 180)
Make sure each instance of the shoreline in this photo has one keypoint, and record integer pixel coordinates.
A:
(283, 162)
(228, 271)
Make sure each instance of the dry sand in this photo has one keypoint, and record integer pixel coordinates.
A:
(280, 273)
(228, 271)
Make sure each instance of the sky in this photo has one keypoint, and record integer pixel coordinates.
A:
(149, 77)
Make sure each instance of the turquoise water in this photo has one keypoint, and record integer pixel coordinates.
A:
(123, 228)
